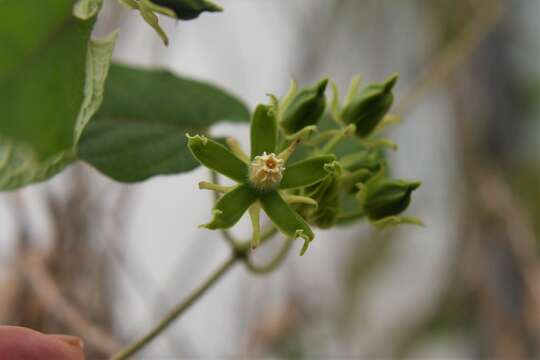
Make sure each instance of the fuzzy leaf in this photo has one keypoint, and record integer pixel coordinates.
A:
(86, 9)
(42, 73)
(19, 164)
(139, 132)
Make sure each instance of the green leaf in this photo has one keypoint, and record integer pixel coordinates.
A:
(284, 217)
(19, 165)
(217, 157)
(263, 131)
(139, 132)
(98, 61)
(42, 73)
(230, 208)
(86, 9)
(306, 172)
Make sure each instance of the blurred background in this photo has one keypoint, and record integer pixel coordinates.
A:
(84, 255)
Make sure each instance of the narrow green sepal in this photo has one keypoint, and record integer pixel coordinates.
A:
(304, 247)
(303, 135)
(288, 221)
(188, 9)
(305, 109)
(263, 131)
(152, 19)
(368, 108)
(231, 206)
(217, 157)
(291, 93)
(388, 197)
(306, 172)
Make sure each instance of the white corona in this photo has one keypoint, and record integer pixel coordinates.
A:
(266, 171)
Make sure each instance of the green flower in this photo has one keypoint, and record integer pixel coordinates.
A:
(264, 178)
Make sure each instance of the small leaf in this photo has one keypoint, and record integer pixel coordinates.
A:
(42, 73)
(306, 172)
(263, 131)
(139, 131)
(217, 157)
(284, 217)
(231, 206)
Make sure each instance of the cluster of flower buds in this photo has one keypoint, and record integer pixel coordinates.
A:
(178, 9)
(310, 164)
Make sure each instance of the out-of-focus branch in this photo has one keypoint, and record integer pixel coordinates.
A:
(455, 54)
(34, 270)
(177, 311)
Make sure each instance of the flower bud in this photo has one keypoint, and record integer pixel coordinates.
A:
(368, 108)
(188, 9)
(305, 109)
(326, 193)
(388, 197)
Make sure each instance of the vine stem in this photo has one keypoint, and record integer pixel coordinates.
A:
(274, 263)
(178, 310)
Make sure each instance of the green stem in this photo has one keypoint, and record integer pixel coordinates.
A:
(178, 310)
(274, 263)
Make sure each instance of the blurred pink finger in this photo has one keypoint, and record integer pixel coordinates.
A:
(18, 343)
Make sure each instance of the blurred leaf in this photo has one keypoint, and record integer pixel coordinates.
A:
(86, 9)
(97, 68)
(42, 73)
(140, 130)
(19, 165)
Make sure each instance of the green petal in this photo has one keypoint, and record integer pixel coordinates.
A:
(217, 157)
(263, 131)
(284, 217)
(231, 206)
(306, 172)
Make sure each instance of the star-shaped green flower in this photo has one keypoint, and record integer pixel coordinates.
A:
(264, 179)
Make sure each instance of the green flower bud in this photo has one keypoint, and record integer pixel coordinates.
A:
(388, 197)
(188, 9)
(305, 109)
(368, 108)
(326, 193)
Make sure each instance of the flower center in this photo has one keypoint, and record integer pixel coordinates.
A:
(266, 171)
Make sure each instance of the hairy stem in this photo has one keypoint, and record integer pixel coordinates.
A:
(177, 311)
